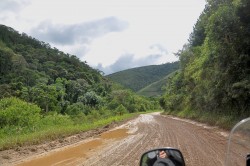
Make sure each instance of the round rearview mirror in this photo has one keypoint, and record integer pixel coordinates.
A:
(162, 157)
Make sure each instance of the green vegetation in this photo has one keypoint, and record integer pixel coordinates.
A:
(38, 128)
(138, 78)
(155, 89)
(46, 94)
(213, 83)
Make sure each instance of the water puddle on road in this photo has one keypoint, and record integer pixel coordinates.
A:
(118, 133)
(71, 155)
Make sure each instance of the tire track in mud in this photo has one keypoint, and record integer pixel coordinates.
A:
(133, 144)
(201, 145)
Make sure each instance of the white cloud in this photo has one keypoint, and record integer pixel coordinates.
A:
(12, 5)
(128, 60)
(77, 33)
(98, 32)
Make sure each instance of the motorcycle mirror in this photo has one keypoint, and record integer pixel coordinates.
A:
(162, 157)
(248, 160)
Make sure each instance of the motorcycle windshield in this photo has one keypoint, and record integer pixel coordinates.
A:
(239, 144)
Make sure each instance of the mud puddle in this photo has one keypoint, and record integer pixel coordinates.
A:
(75, 155)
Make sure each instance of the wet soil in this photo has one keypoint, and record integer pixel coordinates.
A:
(75, 154)
(124, 144)
(22, 154)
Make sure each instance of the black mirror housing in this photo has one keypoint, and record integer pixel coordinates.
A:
(248, 160)
(162, 157)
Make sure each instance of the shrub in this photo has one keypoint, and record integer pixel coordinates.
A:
(56, 119)
(75, 109)
(93, 115)
(121, 110)
(15, 112)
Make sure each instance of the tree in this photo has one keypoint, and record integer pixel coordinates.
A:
(43, 95)
(5, 64)
(120, 110)
(74, 90)
(91, 99)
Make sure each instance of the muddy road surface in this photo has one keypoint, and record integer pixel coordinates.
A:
(123, 145)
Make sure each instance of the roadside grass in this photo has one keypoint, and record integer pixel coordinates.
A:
(51, 132)
(222, 120)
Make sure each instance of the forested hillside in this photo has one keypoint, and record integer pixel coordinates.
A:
(42, 87)
(140, 77)
(156, 89)
(214, 76)
(35, 72)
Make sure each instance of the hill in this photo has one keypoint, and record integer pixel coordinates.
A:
(33, 71)
(48, 94)
(155, 89)
(140, 77)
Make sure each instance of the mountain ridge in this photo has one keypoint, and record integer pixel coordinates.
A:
(156, 89)
(140, 77)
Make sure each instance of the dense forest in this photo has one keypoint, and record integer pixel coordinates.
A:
(41, 87)
(214, 75)
(140, 77)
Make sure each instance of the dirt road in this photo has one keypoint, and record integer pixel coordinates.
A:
(200, 144)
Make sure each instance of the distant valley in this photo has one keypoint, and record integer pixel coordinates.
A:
(147, 80)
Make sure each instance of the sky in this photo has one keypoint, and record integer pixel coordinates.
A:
(111, 35)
